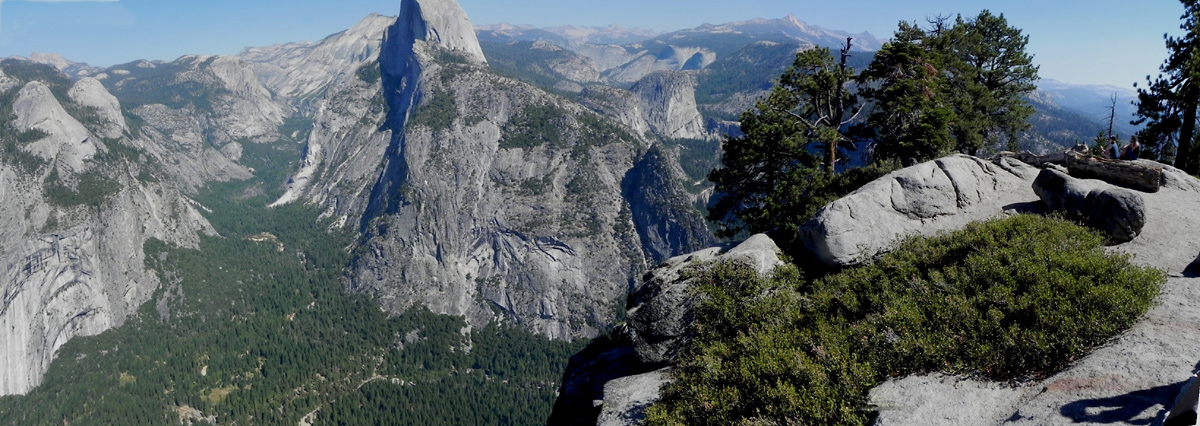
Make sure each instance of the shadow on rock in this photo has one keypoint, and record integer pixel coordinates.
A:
(1124, 409)
(1193, 269)
(1030, 207)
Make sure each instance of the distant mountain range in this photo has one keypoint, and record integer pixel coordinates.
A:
(1093, 101)
(784, 30)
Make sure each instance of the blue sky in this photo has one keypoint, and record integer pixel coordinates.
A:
(1084, 42)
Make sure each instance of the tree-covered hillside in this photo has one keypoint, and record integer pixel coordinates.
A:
(255, 328)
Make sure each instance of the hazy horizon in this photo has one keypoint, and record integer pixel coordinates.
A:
(1077, 42)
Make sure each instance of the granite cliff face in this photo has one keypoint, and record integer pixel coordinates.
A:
(662, 104)
(476, 194)
(473, 194)
(73, 218)
(198, 114)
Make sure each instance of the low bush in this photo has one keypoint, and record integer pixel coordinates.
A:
(1010, 300)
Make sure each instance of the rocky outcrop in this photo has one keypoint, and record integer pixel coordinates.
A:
(662, 103)
(581, 396)
(925, 199)
(1119, 213)
(70, 269)
(626, 398)
(669, 102)
(615, 379)
(90, 93)
(1133, 379)
(66, 141)
(661, 309)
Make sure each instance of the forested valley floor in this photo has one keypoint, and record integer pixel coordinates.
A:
(256, 328)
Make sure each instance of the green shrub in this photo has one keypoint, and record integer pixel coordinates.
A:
(1012, 299)
(437, 112)
(93, 189)
(369, 72)
(534, 126)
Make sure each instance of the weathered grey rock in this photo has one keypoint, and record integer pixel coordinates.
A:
(1119, 213)
(581, 395)
(925, 199)
(89, 92)
(440, 23)
(1133, 379)
(662, 103)
(669, 103)
(66, 142)
(297, 71)
(626, 398)
(455, 218)
(938, 399)
(661, 309)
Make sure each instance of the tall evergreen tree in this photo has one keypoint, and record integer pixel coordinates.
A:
(912, 116)
(1168, 105)
(960, 86)
(780, 171)
(990, 75)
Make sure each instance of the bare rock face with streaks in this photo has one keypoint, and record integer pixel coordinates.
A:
(476, 194)
(66, 141)
(71, 267)
(925, 199)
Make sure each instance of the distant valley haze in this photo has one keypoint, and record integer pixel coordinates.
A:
(1073, 41)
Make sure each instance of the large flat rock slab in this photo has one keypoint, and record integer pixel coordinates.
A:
(940, 399)
(1132, 380)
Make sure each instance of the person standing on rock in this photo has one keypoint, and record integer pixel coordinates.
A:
(1133, 150)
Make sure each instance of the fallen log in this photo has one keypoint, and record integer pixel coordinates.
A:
(1140, 175)
(1038, 160)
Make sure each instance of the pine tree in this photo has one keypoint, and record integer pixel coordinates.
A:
(959, 86)
(911, 118)
(779, 171)
(1168, 105)
(990, 74)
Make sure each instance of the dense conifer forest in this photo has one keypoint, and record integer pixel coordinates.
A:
(256, 328)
